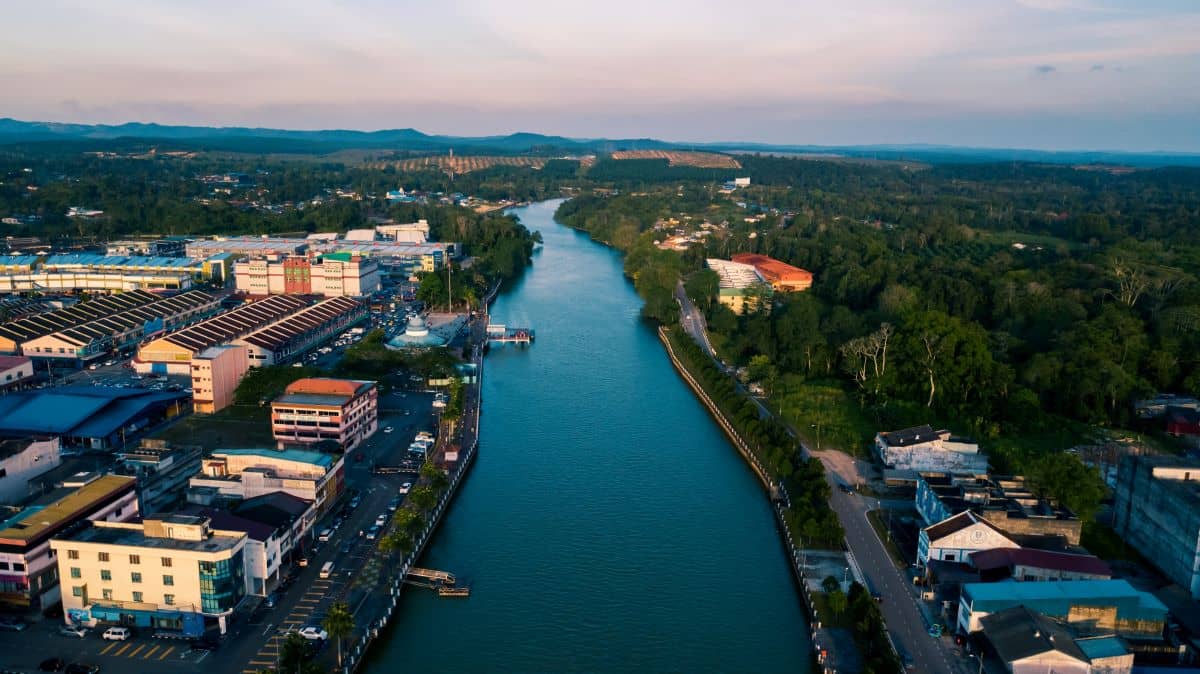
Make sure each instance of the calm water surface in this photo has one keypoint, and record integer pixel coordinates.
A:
(607, 525)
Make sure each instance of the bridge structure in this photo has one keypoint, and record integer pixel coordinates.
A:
(499, 333)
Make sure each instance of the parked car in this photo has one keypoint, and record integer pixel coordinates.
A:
(372, 533)
(117, 634)
(11, 624)
(52, 665)
(73, 631)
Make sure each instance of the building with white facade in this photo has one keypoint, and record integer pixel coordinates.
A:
(167, 572)
(329, 275)
(740, 287)
(23, 459)
(923, 449)
(956, 538)
(345, 411)
(240, 474)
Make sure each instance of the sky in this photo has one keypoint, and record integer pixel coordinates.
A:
(1048, 74)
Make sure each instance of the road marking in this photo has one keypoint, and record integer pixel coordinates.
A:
(150, 652)
(123, 649)
(269, 663)
(137, 650)
(106, 649)
(166, 652)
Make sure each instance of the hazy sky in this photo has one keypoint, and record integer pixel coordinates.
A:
(1104, 74)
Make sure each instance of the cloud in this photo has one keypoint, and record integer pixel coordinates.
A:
(1098, 67)
(1045, 69)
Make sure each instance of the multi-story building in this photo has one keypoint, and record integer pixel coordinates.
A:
(1005, 502)
(741, 287)
(1156, 508)
(23, 459)
(216, 373)
(15, 371)
(291, 337)
(409, 232)
(783, 277)
(345, 411)
(923, 449)
(250, 246)
(166, 572)
(230, 475)
(1089, 606)
(329, 275)
(28, 569)
(162, 471)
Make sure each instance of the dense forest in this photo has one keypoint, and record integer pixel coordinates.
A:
(998, 298)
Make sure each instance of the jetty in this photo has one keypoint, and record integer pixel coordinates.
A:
(498, 333)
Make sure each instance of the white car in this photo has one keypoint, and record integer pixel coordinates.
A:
(381, 520)
(387, 429)
(313, 633)
(404, 488)
(116, 634)
(73, 631)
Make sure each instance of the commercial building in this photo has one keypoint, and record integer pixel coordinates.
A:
(1089, 606)
(396, 259)
(93, 417)
(923, 449)
(783, 277)
(23, 459)
(174, 353)
(330, 275)
(230, 475)
(1156, 509)
(410, 232)
(263, 554)
(216, 373)
(288, 338)
(162, 471)
(345, 411)
(88, 281)
(1028, 642)
(171, 246)
(249, 246)
(740, 287)
(166, 573)
(15, 371)
(1006, 502)
(28, 572)
(1030, 565)
(285, 512)
(959, 536)
(90, 330)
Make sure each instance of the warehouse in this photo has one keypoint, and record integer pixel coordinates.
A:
(174, 353)
(284, 340)
(91, 330)
(94, 417)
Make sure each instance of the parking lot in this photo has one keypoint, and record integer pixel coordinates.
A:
(24, 651)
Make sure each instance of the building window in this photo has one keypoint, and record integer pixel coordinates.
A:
(75, 573)
(105, 574)
(103, 556)
(135, 559)
(168, 580)
(72, 554)
(137, 596)
(169, 599)
(106, 594)
(18, 566)
(77, 591)
(136, 577)
(166, 561)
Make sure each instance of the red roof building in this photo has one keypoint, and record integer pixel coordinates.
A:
(783, 277)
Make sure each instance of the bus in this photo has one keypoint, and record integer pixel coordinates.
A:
(326, 570)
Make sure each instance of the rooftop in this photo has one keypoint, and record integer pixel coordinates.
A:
(1019, 632)
(319, 399)
(78, 411)
(958, 522)
(1042, 559)
(134, 535)
(330, 386)
(234, 323)
(1084, 592)
(94, 260)
(102, 316)
(274, 336)
(1008, 493)
(298, 455)
(35, 521)
(735, 274)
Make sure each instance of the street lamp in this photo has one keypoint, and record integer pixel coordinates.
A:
(979, 658)
(844, 572)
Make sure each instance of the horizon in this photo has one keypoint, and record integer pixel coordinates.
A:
(1048, 75)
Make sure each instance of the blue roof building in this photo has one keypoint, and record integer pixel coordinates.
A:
(96, 417)
(1090, 606)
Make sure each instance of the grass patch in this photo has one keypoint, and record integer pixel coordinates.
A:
(824, 415)
(234, 426)
(826, 615)
(881, 530)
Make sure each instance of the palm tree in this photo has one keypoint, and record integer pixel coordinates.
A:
(398, 541)
(339, 623)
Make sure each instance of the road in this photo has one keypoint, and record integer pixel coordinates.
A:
(905, 620)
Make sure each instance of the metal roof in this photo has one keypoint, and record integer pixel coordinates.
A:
(79, 503)
(235, 323)
(277, 335)
(123, 261)
(102, 317)
(298, 455)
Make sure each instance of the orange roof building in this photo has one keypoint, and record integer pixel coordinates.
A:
(316, 408)
(783, 277)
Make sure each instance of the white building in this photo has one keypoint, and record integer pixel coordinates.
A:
(923, 449)
(165, 573)
(954, 539)
(21, 460)
(239, 474)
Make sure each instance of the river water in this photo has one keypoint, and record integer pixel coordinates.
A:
(607, 525)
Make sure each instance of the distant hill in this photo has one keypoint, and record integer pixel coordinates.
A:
(261, 140)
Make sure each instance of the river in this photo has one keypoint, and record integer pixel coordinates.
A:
(608, 525)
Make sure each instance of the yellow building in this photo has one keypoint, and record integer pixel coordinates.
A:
(216, 373)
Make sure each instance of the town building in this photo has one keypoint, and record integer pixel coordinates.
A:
(329, 275)
(28, 573)
(956, 538)
(314, 409)
(91, 417)
(15, 372)
(290, 337)
(216, 373)
(1033, 565)
(292, 515)
(740, 287)
(167, 572)
(88, 281)
(262, 555)
(23, 459)
(396, 259)
(1156, 508)
(171, 246)
(88, 331)
(1006, 502)
(173, 353)
(230, 475)
(1091, 607)
(923, 449)
(162, 471)
(410, 232)
(783, 277)
(1028, 642)
(1183, 422)
(249, 246)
